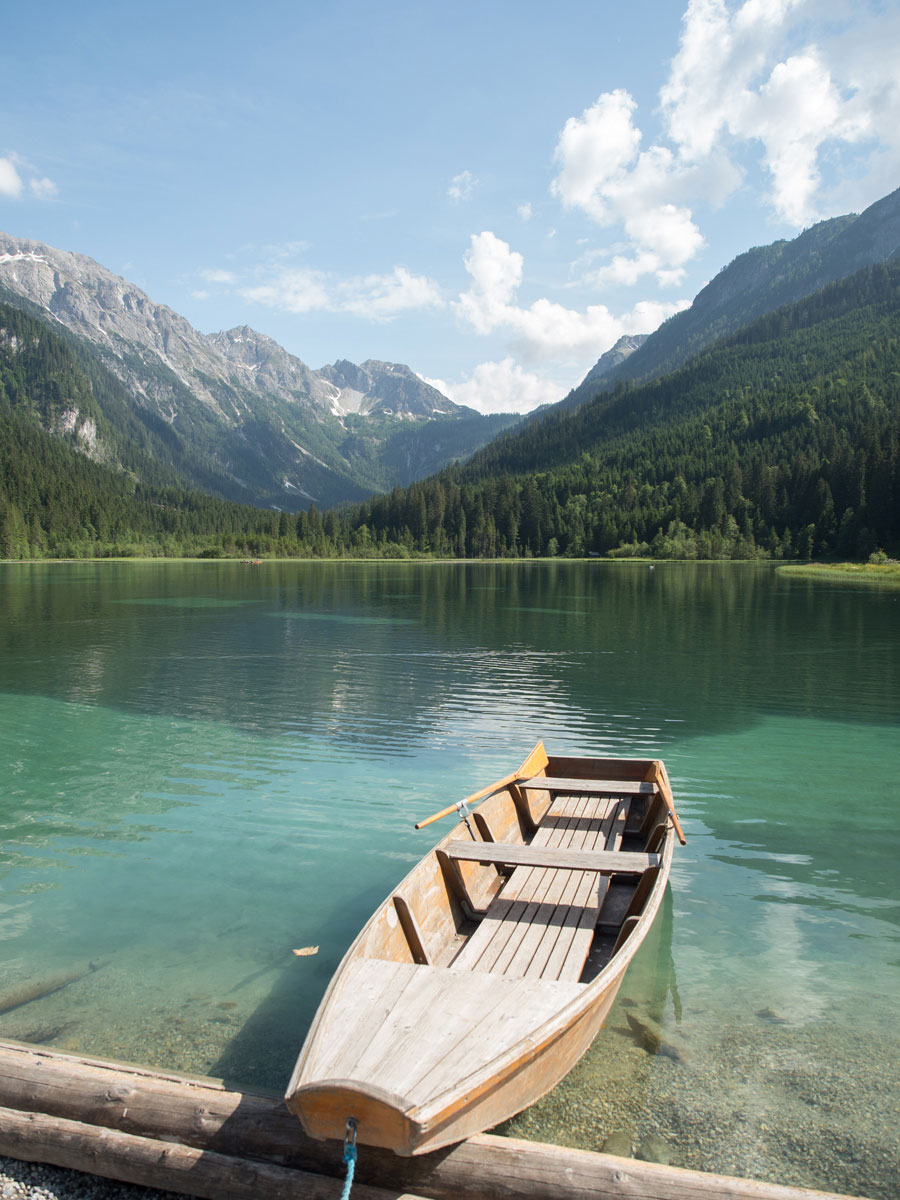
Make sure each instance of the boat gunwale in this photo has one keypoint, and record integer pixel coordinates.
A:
(506, 1064)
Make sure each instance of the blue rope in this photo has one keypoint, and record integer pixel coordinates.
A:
(350, 1163)
(349, 1156)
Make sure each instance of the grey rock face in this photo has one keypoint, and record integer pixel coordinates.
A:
(120, 318)
(388, 388)
(626, 345)
(239, 391)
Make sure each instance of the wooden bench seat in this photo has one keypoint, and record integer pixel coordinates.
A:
(541, 924)
(510, 854)
(592, 787)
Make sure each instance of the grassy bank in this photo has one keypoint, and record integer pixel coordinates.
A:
(885, 573)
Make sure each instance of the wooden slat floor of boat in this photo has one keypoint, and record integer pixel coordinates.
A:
(541, 924)
(415, 1030)
(593, 787)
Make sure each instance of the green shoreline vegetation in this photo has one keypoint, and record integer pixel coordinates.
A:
(887, 573)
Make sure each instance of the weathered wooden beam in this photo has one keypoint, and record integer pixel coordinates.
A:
(165, 1108)
(513, 854)
(170, 1166)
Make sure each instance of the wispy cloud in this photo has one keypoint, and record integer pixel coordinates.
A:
(217, 275)
(374, 297)
(462, 186)
(43, 188)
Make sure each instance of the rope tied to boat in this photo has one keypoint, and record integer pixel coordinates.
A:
(349, 1156)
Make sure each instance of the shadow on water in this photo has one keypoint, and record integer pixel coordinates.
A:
(261, 1055)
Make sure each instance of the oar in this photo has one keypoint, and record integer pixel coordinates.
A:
(662, 779)
(527, 769)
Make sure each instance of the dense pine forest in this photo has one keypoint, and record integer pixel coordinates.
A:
(781, 441)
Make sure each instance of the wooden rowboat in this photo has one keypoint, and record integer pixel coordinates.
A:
(485, 975)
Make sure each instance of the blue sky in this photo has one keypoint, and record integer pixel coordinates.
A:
(491, 193)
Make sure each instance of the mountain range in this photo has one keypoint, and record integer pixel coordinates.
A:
(763, 419)
(253, 422)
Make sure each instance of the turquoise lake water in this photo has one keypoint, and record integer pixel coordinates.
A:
(208, 765)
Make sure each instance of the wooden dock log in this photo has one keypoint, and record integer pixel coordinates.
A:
(160, 1112)
(169, 1166)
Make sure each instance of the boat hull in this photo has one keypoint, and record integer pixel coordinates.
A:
(422, 1054)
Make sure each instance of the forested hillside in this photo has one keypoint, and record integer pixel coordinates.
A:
(782, 441)
(107, 496)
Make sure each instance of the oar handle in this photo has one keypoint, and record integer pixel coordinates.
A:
(445, 812)
(674, 815)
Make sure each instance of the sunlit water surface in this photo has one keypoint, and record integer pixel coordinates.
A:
(209, 765)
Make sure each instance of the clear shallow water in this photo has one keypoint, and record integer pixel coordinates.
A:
(209, 765)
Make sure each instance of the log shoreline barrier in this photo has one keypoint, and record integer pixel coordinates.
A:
(195, 1136)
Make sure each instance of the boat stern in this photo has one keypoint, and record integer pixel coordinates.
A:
(324, 1107)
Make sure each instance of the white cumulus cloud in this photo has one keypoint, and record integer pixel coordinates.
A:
(504, 386)
(796, 112)
(10, 180)
(604, 172)
(17, 174)
(773, 74)
(593, 152)
(545, 330)
(790, 85)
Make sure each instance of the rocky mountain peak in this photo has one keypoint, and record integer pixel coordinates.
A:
(625, 346)
(254, 420)
(391, 389)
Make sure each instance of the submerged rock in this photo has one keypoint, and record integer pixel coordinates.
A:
(651, 1035)
(653, 1148)
(618, 1143)
(770, 1015)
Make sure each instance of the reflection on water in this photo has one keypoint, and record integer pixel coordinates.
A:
(208, 766)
